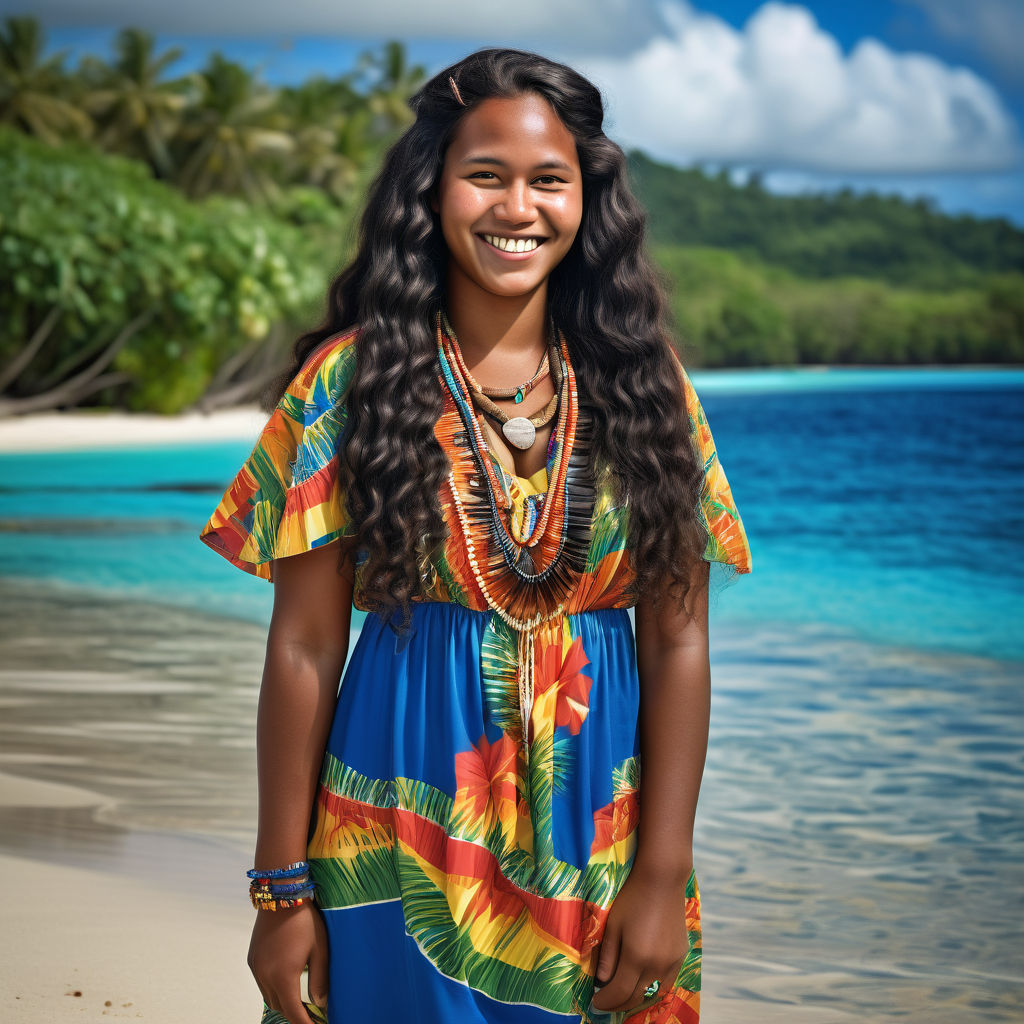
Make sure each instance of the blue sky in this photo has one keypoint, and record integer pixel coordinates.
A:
(923, 97)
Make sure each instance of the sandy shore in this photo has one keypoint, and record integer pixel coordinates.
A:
(66, 431)
(128, 811)
(82, 944)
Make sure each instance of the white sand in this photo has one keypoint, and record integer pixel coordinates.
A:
(129, 949)
(65, 431)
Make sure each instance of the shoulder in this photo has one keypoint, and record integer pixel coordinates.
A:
(690, 398)
(328, 368)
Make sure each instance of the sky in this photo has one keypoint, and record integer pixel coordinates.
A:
(920, 97)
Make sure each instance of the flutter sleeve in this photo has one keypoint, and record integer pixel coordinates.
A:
(286, 499)
(728, 549)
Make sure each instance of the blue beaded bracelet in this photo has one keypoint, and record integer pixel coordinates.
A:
(283, 890)
(300, 867)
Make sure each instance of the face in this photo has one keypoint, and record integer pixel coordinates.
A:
(510, 196)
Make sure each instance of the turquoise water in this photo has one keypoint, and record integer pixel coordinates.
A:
(885, 503)
(859, 832)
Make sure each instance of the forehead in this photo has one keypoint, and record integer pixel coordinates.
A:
(515, 124)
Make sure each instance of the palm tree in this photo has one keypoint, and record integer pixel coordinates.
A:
(330, 123)
(33, 92)
(138, 113)
(228, 135)
(395, 81)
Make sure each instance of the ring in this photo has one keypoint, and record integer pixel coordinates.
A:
(652, 989)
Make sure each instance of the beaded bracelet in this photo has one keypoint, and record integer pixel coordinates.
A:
(266, 893)
(300, 867)
(264, 898)
(284, 890)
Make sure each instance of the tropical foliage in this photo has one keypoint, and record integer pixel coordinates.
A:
(163, 236)
(118, 289)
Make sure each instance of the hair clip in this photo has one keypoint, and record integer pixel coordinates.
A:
(455, 89)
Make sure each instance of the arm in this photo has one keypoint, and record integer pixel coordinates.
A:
(307, 645)
(645, 934)
(675, 710)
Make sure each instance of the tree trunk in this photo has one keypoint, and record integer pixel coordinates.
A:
(89, 381)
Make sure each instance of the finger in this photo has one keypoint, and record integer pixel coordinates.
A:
(264, 992)
(292, 1005)
(614, 994)
(643, 981)
(647, 978)
(609, 956)
(319, 975)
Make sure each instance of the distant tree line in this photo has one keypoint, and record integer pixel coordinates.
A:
(163, 239)
(840, 234)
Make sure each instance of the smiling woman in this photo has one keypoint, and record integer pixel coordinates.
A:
(492, 434)
(510, 198)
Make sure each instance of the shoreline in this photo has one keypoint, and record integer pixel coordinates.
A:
(128, 798)
(96, 429)
(79, 430)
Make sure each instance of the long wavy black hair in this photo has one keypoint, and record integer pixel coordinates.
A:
(605, 297)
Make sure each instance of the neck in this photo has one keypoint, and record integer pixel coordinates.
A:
(484, 322)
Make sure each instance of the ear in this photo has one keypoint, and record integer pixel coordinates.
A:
(434, 204)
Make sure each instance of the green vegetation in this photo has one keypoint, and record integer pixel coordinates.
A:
(163, 239)
(824, 236)
(117, 285)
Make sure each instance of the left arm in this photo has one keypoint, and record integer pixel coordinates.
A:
(645, 934)
(675, 709)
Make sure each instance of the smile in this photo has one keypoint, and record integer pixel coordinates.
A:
(512, 244)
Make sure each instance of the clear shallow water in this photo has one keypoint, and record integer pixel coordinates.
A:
(887, 503)
(859, 834)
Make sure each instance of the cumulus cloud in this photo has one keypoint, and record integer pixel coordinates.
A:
(993, 28)
(781, 93)
(682, 84)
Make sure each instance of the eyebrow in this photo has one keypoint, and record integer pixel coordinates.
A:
(473, 158)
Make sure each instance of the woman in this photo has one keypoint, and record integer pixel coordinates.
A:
(492, 445)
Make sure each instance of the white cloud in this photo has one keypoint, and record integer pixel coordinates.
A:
(993, 28)
(781, 93)
(682, 84)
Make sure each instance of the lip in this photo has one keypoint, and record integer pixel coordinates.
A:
(515, 257)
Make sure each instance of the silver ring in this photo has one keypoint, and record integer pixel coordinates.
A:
(652, 989)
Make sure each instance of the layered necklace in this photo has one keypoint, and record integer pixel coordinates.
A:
(520, 431)
(526, 582)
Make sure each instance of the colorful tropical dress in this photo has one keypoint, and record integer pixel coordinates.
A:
(465, 866)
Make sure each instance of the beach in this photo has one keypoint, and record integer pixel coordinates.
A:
(857, 841)
(127, 813)
(75, 430)
(129, 801)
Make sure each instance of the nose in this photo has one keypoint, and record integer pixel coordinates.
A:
(516, 203)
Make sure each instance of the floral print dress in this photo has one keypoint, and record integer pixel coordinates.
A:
(465, 866)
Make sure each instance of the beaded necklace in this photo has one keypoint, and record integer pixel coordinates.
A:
(526, 583)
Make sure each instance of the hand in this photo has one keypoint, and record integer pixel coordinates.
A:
(283, 943)
(645, 937)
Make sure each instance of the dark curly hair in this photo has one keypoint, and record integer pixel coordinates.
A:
(605, 297)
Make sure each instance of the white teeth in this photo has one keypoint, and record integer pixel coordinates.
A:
(512, 244)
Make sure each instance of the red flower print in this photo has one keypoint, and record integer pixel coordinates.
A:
(603, 837)
(615, 821)
(573, 686)
(486, 774)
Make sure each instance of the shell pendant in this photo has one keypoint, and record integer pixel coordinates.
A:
(519, 431)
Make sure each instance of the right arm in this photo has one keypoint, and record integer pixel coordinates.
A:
(307, 645)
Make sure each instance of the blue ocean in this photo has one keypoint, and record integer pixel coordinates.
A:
(860, 832)
(886, 504)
